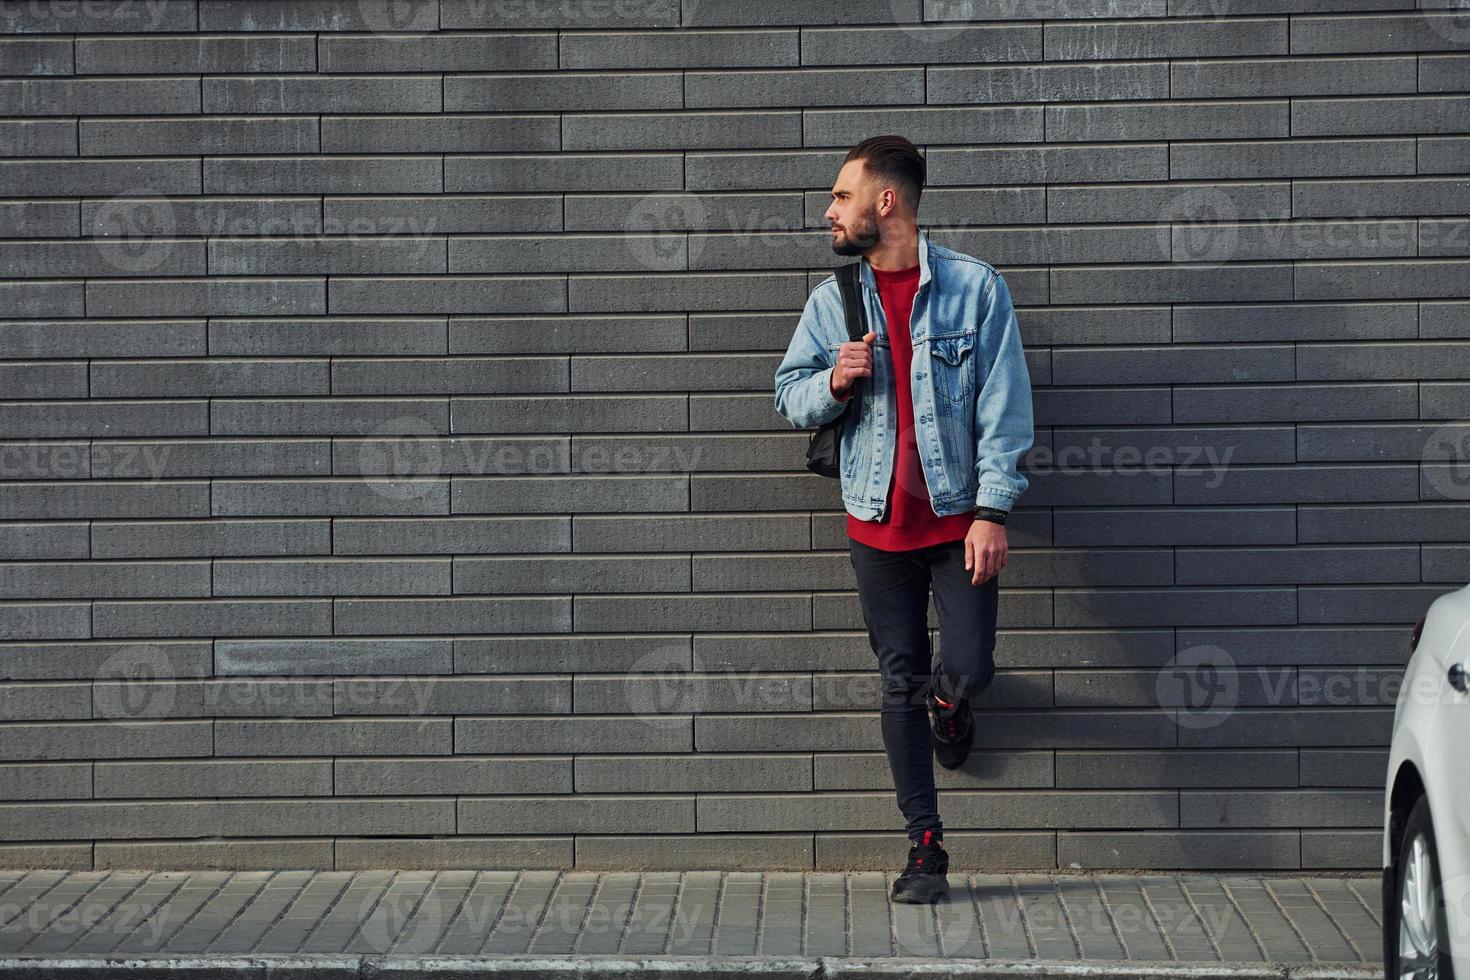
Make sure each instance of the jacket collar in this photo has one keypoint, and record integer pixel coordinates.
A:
(865, 270)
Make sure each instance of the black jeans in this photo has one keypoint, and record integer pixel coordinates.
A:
(893, 588)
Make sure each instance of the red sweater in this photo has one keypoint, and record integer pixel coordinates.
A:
(909, 520)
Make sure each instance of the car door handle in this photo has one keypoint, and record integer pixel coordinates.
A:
(1458, 679)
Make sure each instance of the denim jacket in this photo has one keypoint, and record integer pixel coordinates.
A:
(970, 386)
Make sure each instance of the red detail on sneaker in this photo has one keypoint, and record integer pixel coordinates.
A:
(943, 702)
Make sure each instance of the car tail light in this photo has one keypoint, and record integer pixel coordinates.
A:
(1418, 629)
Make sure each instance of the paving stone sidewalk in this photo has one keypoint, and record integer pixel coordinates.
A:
(1184, 919)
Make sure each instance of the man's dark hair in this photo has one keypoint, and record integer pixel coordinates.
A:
(893, 158)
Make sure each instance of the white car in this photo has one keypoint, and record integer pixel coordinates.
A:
(1426, 828)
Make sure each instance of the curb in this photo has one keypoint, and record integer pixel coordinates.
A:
(340, 967)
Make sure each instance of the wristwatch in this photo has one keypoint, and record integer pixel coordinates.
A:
(990, 514)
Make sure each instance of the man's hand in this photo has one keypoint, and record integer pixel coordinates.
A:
(854, 360)
(985, 550)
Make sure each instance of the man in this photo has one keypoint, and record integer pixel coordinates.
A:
(928, 467)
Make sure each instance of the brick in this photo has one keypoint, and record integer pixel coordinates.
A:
(332, 657)
(1295, 321)
(218, 54)
(664, 813)
(248, 855)
(312, 336)
(1285, 76)
(562, 172)
(459, 535)
(99, 97)
(19, 542)
(540, 654)
(113, 338)
(207, 539)
(36, 56)
(321, 175)
(101, 499)
(213, 778)
(788, 852)
(331, 576)
(442, 696)
(507, 853)
(514, 93)
(217, 135)
(239, 818)
(311, 93)
(337, 736)
(354, 617)
(1264, 808)
(1194, 769)
(502, 576)
(101, 740)
(208, 617)
(38, 219)
(1426, 30)
(85, 579)
(1314, 727)
(1022, 809)
(1211, 850)
(1073, 164)
(44, 702)
(1290, 158)
(577, 735)
(1173, 38)
(633, 50)
(61, 781)
(39, 137)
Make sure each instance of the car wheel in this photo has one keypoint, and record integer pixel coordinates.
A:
(1422, 950)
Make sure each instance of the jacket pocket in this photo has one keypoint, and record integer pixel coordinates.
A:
(950, 362)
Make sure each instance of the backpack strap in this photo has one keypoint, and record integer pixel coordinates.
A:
(852, 300)
(856, 313)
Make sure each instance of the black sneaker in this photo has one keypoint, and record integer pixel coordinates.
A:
(954, 730)
(925, 877)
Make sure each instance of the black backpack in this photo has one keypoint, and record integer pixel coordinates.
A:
(823, 453)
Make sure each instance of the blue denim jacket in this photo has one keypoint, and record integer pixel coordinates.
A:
(970, 385)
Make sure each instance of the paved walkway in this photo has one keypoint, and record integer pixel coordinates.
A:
(373, 917)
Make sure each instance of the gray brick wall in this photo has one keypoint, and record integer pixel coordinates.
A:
(391, 465)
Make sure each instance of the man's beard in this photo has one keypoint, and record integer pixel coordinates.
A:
(857, 238)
